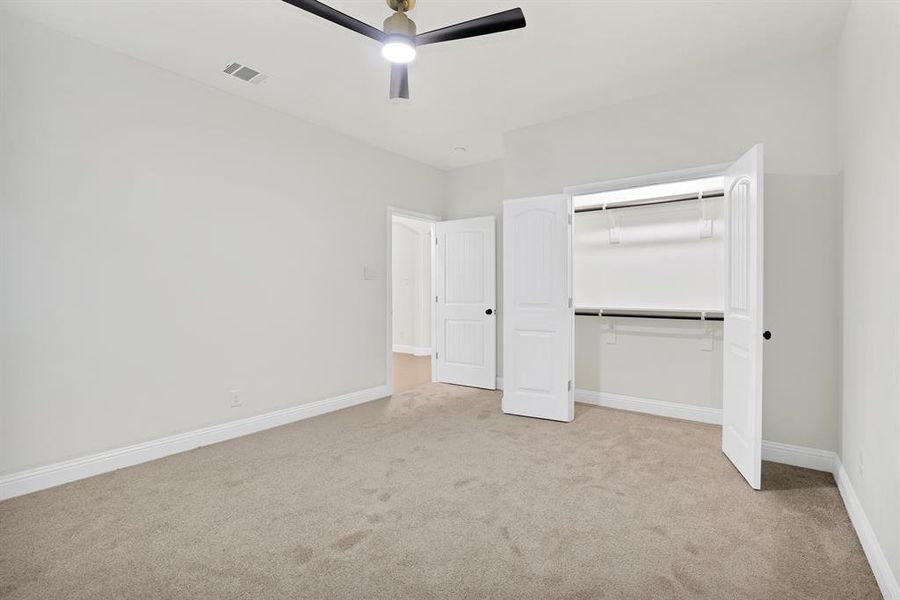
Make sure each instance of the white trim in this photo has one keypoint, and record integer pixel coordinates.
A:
(644, 180)
(414, 350)
(388, 277)
(799, 456)
(661, 408)
(886, 579)
(59, 473)
(33, 480)
(788, 454)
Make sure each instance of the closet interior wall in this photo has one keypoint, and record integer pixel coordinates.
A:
(662, 257)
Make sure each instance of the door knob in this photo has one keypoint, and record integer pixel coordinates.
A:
(489, 311)
(767, 335)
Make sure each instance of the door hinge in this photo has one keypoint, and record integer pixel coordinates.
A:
(435, 298)
(570, 303)
(569, 388)
(435, 355)
(570, 219)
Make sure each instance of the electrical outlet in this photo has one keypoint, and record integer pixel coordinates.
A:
(235, 398)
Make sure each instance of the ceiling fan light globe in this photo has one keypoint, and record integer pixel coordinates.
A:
(398, 51)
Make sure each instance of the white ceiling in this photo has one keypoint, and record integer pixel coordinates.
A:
(573, 56)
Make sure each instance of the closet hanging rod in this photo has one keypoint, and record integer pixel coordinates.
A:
(676, 315)
(654, 201)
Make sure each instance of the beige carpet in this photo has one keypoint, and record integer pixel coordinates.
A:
(435, 494)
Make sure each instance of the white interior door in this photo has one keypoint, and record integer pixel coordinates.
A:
(538, 317)
(742, 398)
(465, 302)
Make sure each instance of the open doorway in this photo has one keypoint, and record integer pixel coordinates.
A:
(410, 299)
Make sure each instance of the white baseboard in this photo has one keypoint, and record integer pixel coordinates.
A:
(799, 456)
(660, 408)
(41, 478)
(826, 460)
(414, 350)
(887, 580)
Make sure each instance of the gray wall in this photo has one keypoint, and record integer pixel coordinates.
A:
(164, 243)
(869, 87)
(792, 110)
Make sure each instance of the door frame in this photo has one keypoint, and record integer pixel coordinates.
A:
(393, 211)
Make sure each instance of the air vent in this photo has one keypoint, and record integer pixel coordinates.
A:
(244, 73)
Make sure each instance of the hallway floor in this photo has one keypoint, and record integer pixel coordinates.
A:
(410, 371)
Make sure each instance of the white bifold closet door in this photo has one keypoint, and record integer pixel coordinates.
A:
(538, 317)
(465, 287)
(743, 337)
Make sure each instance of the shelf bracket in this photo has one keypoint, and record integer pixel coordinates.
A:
(609, 333)
(615, 236)
(706, 342)
(706, 224)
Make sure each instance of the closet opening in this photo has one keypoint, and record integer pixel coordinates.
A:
(643, 294)
(648, 290)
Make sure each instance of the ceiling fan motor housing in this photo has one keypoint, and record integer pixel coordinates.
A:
(400, 25)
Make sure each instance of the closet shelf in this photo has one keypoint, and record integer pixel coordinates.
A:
(679, 314)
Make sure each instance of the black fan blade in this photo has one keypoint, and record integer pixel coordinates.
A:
(399, 81)
(337, 17)
(501, 21)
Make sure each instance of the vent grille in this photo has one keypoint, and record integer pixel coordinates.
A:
(244, 73)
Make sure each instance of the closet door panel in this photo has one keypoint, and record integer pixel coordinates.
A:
(743, 330)
(537, 311)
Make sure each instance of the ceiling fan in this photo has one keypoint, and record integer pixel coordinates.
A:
(399, 39)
